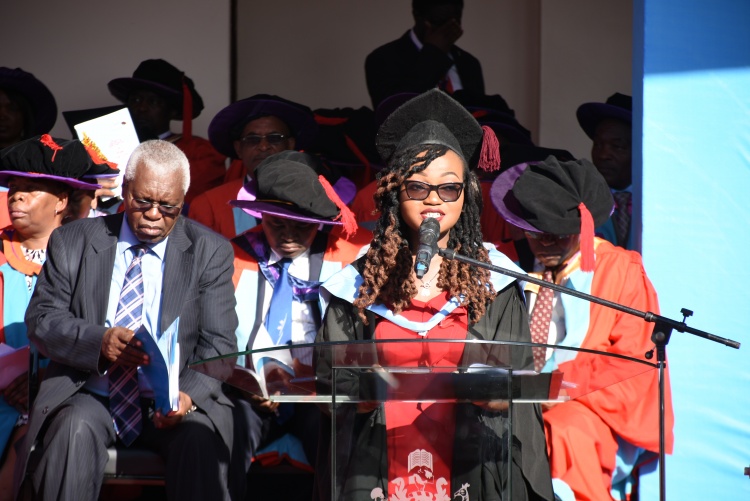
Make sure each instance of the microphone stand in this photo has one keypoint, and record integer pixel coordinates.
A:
(663, 327)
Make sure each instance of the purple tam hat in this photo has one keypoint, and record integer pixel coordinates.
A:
(505, 202)
(41, 100)
(44, 157)
(227, 125)
(618, 106)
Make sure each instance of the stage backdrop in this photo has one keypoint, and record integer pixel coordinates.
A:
(692, 82)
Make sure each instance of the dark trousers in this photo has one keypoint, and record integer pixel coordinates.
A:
(69, 459)
(254, 430)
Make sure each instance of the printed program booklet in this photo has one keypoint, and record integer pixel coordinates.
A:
(162, 375)
(113, 137)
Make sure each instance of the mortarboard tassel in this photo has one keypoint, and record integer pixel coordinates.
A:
(346, 216)
(489, 158)
(587, 238)
(187, 110)
(47, 141)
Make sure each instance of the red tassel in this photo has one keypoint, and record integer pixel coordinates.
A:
(47, 141)
(330, 121)
(587, 238)
(187, 110)
(489, 158)
(346, 216)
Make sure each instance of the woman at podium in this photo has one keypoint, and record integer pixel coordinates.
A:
(403, 289)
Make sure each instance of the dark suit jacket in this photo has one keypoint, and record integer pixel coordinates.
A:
(399, 67)
(67, 312)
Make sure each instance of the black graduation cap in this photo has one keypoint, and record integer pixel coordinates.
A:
(433, 117)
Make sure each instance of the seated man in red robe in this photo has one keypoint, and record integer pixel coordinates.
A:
(594, 441)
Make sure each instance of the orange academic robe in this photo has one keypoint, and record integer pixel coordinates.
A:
(581, 434)
(207, 166)
(4, 216)
(212, 208)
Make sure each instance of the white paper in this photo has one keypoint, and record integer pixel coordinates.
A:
(114, 136)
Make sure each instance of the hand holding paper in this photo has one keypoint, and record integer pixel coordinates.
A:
(120, 346)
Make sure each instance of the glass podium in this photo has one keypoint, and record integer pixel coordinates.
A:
(475, 412)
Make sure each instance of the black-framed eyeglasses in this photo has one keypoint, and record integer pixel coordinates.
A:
(145, 205)
(255, 139)
(448, 192)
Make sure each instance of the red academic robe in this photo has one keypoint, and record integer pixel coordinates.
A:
(207, 166)
(212, 208)
(581, 433)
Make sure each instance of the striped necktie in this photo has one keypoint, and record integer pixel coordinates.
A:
(124, 396)
(621, 216)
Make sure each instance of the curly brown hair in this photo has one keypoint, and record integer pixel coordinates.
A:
(387, 270)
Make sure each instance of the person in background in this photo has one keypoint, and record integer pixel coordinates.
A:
(426, 56)
(105, 278)
(158, 93)
(42, 175)
(27, 108)
(431, 145)
(293, 202)
(609, 125)
(249, 130)
(595, 440)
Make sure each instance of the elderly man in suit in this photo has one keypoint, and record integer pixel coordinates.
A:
(103, 279)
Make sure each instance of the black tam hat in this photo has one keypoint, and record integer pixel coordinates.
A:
(433, 117)
(560, 198)
(45, 157)
(39, 97)
(164, 79)
(289, 187)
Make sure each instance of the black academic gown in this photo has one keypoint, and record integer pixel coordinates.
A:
(361, 441)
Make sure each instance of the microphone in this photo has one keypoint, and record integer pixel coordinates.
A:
(429, 231)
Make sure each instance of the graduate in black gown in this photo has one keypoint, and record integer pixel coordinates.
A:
(432, 146)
